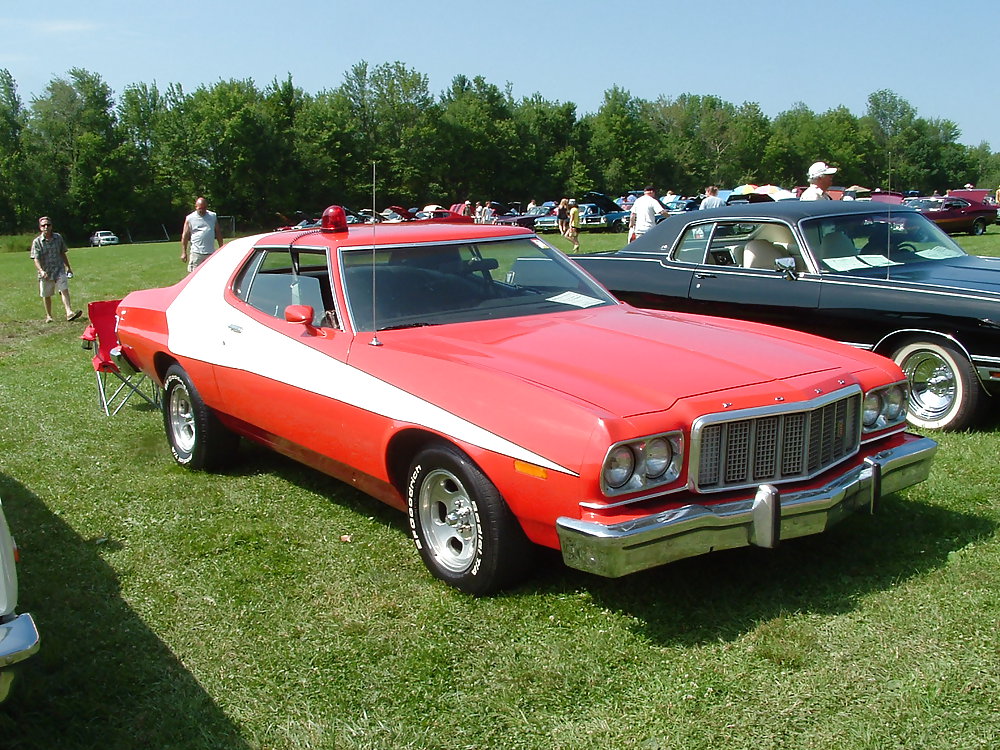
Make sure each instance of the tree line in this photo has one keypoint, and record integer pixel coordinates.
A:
(93, 160)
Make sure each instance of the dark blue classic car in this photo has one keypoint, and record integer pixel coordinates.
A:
(874, 275)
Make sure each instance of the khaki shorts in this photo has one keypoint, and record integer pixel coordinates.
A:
(196, 259)
(48, 287)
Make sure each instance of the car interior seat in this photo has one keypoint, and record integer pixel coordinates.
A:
(762, 254)
(836, 245)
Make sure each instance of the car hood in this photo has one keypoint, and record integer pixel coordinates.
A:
(622, 360)
(971, 273)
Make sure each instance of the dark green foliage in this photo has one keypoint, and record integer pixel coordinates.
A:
(134, 164)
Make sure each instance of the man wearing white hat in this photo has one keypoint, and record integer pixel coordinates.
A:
(820, 180)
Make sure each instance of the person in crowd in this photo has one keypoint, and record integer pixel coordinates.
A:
(531, 205)
(200, 233)
(49, 252)
(488, 212)
(820, 179)
(562, 216)
(573, 229)
(642, 216)
(711, 199)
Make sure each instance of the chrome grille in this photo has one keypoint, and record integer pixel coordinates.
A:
(775, 446)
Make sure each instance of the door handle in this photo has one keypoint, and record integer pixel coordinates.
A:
(235, 328)
(704, 275)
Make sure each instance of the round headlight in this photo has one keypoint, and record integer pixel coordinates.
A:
(872, 409)
(894, 403)
(619, 466)
(658, 456)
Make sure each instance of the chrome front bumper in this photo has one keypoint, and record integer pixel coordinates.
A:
(18, 641)
(761, 519)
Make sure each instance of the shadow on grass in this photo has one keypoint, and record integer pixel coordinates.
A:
(721, 595)
(102, 678)
(726, 594)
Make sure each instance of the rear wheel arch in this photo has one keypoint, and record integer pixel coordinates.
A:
(161, 363)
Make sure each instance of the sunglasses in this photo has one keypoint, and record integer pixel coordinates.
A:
(44, 225)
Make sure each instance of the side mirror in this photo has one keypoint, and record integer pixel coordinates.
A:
(787, 267)
(303, 314)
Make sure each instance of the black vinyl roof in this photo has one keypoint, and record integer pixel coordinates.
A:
(790, 211)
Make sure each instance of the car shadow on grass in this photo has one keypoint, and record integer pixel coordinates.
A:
(102, 678)
(723, 595)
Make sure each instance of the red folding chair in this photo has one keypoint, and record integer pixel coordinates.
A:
(117, 378)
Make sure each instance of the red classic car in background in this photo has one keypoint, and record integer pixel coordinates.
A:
(955, 214)
(475, 378)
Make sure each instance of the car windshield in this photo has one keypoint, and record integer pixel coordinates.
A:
(402, 287)
(925, 204)
(856, 242)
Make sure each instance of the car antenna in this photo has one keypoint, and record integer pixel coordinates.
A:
(374, 341)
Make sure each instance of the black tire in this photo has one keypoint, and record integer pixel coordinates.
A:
(618, 227)
(464, 531)
(945, 393)
(978, 227)
(197, 438)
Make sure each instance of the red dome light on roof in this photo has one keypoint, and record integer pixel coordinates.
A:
(334, 219)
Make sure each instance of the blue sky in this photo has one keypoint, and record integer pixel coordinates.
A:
(772, 52)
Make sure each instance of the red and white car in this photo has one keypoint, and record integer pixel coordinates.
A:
(477, 379)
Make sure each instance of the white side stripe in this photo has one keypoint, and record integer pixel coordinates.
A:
(198, 325)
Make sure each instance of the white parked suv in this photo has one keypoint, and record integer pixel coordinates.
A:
(18, 634)
(103, 237)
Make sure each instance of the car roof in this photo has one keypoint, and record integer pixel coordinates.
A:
(790, 211)
(389, 233)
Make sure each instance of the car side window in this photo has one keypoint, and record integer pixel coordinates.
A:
(273, 279)
(742, 244)
(693, 246)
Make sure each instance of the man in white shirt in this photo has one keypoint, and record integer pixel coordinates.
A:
(712, 199)
(820, 180)
(643, 214)
(200, 233)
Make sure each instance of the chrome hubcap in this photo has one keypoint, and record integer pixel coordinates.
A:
(448, 520)
(182, 419)
(933, 385)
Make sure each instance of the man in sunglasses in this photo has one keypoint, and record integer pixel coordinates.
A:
(48, 250)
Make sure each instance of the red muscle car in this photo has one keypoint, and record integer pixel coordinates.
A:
(476, 379)
(954, 214)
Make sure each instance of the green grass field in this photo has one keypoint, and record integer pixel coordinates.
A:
(183, 610)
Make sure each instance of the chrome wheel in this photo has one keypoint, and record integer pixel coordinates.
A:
(449, 520)
(463, 529)
(944, 389)
(197, 438)
(933, 385)
(180, 412)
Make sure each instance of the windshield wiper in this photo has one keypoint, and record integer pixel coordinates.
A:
(398, 326)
